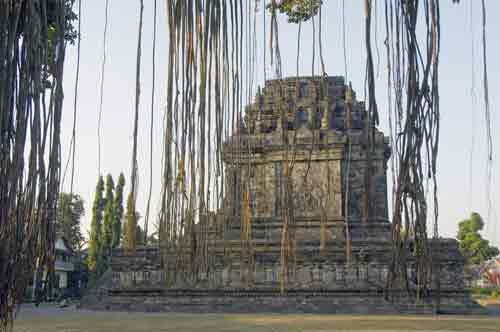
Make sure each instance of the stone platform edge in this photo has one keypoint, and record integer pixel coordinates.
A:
(272, 301)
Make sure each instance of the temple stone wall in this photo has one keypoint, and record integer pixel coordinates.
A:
(314, 270)
(321, 284)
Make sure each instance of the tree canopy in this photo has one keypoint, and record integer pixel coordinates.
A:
(70, 210)
(297, 10)
(472, 245)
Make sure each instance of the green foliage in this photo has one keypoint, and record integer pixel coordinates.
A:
(472, 245)
(106, 227)
(70, 33)
(108, 218)
(118, 212)
(94, 257)
(297, 10)
(130, 234)
(486, 291)
(69, 214)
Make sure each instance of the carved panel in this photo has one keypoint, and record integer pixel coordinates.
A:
(262, 190)
(316, 186)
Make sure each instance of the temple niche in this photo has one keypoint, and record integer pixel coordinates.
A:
(315, 130)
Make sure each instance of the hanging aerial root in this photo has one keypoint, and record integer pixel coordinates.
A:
(415, 130)
(33, 39)
(246, 233)
(205, 89)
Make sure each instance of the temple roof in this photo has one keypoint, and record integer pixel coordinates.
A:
(313, 102)
(319, 110)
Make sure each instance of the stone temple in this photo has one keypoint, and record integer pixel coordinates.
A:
(335, 172)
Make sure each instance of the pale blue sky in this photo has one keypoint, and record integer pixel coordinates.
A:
(460, 117)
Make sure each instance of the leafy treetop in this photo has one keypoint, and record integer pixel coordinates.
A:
(472, 245)
(297, 10)
(69, 213)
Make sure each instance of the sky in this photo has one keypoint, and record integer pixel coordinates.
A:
(462, 141)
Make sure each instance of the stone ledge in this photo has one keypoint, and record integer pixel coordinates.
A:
(294, 301)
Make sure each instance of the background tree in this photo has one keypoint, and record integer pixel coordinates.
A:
(139, 236)
(297, 10)
(94, 257)
(129, 236)
(118, 212)
(472, 245)
(69, 213)
(108, 219)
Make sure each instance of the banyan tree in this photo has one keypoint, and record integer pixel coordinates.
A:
(33, 40)
(211, 64)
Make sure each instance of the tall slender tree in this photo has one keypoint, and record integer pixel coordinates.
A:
(108, 218)
(129, 236)
(94, 258)
(118, 212)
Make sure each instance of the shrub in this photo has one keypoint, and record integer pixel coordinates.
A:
(486, 291)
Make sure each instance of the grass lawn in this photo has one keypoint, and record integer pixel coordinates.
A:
(71, 320)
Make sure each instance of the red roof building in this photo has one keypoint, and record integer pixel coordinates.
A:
(491, 272)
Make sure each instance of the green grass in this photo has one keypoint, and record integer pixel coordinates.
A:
(487, 291)
(80, 321)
